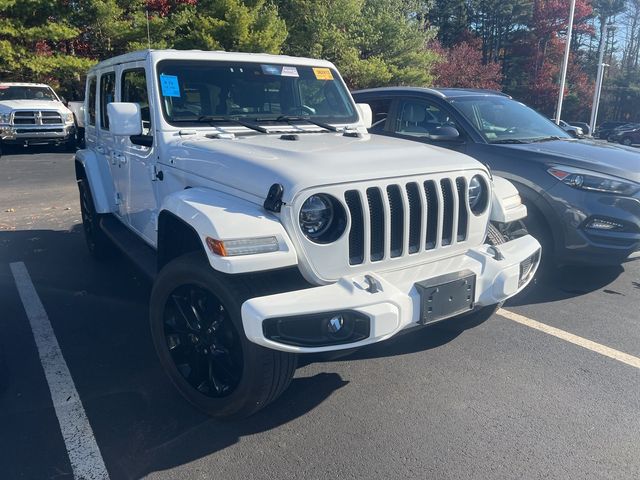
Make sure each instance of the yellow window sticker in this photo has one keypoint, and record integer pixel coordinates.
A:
(323, 73)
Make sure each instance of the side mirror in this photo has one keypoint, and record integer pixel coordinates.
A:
(366, 115)
(124, 119)
(444, 134)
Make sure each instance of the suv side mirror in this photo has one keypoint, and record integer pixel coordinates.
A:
(445, 133)
(125, 119)
(366, 115)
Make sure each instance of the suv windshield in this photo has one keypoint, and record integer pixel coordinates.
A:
(12, 92)
(204, 91)
(503, 120)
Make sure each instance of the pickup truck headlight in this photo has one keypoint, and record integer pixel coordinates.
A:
(5, 118)
(478, 194)
(593, 181)
(322, 218)
(68, 117)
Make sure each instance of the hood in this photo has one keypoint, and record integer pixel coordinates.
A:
(8, 105)
(254, 163)
(617, 160)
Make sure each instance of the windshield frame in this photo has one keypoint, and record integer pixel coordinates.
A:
(46, 88)
(555, 132)
(255, 117)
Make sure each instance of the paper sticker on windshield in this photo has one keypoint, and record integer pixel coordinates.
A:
(169, 86)
(323, 73)
(281, 71)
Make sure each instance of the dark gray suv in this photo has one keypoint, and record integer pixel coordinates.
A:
(583, 197)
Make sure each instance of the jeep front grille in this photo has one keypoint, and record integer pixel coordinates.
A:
(37, 117)
(402, 219)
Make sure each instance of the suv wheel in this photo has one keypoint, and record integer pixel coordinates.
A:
(626, 141)
(197, 331)
(98, 243)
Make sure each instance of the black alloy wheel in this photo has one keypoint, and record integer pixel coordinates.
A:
(195, 314)
(202, 341)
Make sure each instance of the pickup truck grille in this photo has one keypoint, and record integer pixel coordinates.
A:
(402, 219)
(37, 117)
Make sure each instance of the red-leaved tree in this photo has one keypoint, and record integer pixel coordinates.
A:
(462, 67)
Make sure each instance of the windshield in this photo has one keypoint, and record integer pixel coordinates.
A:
(206, 91)
(503, 120)
(26, 93)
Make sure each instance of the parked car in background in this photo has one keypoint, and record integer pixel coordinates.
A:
(583, 197)
(604, 130)
(626, 135)
(586, 128)
(572, 130)
(32, 114)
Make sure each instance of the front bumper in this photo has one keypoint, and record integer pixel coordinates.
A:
(396, 304)
(36, 134)
(583, 241)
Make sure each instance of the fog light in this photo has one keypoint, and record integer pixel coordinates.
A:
(335, 324)
(318, 329)
(602, 224)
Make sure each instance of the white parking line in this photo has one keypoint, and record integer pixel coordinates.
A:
(84, 454)
(571, 338)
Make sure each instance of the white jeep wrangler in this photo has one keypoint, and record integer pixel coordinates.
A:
(32, 114)
(248, 188)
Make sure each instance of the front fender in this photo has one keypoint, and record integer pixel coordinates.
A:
(99, 178)
(224, 217)
(506, 204)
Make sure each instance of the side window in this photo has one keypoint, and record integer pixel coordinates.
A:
(91, 101)
(107, 95)
(380, 109)
(417, 118)
(134, 90)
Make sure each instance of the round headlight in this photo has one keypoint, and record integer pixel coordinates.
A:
(322, 218)
(478, 194)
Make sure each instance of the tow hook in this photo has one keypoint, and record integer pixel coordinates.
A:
(495, 253)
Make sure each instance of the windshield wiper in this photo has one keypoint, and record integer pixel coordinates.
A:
(219, 119)
(507, 141)
(546, 139)
(291, 119)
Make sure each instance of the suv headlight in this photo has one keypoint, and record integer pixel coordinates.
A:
(322, 218)
(593, 181)
(5, 118)
(68, 117)
(478, 194)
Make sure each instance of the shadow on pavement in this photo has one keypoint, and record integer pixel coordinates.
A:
(567, 282)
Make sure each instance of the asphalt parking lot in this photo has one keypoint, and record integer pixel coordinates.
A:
(509, 398)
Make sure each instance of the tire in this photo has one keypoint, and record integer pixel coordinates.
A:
(494, 236)
(70, 145)
(98, 243)
(626, 141)
(207, 355)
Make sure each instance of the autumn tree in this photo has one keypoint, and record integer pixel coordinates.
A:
(462, 66)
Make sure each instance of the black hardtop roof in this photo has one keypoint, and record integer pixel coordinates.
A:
(441, 92)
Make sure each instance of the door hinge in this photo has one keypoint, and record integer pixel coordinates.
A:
(117, 198)
(156, 174)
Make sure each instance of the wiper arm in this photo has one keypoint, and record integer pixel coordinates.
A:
(506, 141)
(218, 119)
(290, 119)
(546, 139)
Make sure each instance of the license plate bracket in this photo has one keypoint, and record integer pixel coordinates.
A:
(446, 295)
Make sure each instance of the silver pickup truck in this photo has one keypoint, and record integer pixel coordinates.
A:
(33, 114)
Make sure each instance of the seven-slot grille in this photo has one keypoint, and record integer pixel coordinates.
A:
(401, 219)
(36, 117)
